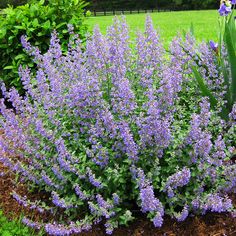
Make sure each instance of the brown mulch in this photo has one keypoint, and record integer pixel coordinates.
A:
(208, 225)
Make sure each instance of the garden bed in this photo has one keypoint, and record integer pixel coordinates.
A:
(111, 140)
(211, 224)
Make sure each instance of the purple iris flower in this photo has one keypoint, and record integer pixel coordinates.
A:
(213, 45)
(224, 9)
(233, 2)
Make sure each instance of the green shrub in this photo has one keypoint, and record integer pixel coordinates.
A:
(36, 19)
(10, 228)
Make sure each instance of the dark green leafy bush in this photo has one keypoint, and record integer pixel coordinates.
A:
(36, 20)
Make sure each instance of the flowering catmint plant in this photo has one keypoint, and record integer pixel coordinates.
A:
(215, 71)
(108, 125)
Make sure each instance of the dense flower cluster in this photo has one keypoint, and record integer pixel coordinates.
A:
(213, 202)
(179, 179)
(108, 125)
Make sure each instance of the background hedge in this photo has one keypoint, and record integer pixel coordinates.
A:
(149, 4)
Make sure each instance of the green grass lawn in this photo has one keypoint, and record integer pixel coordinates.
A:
(169, 23)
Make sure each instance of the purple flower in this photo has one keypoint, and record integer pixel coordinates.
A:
(26, 203)
(57, 171)
(219, 153)
(60, 202)
(210, 71)
(109, 228)
(213, 45)
(158, 220)
(149, 46)
(116, 198)
(233, 2)
(213, 202)
(57, 229)
(2, 174)
(216, 203)
(179, 179)
(149, 202)
(105, 207)
(230, 176)
(31, 224)
(102, 203)
(203, 146)
(183, 214)
(92, 179)
(19, 199)
(225, 9)
(80, 193)
(130, 147)
(170, 192)
(48, 181)
(75, 228)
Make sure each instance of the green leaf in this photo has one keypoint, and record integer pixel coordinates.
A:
(6, 233)
(192, 29)
(2, 33)
(8, 68)
(229, 41)
(46, 25)
(40, 34)
(19, 27)
(206, 92)
(41, 2)
(63, 23)
(83, 4)
(226, 83)
(20, 56)
(35, 22)
(3, 46)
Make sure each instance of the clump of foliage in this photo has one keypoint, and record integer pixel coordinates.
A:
(16, 228)
(37, 20)
(107, 130)
(223, 70)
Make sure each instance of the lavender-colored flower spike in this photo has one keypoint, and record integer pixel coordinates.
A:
(158, 220)
(149, 202)
(31, 224)
(183, 214)
(179, 179)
